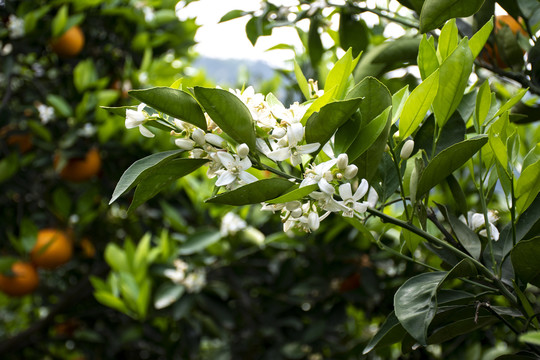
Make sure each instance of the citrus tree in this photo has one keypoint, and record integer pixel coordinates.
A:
(438, 172)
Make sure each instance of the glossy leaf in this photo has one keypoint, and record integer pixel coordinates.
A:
(531, 337)
(347, 133)
(459, 327)
(527, 186)
(338, 77)
(254, 193)
(525, 257)
(376, 98)
(301, 80)
(510, 103)
(315, 45)
(417, 105)
(161, 176)
(369, 134)
(435, 12)
(390, 332)
(398, 101)
(415, 303)
(466, 237)
(447, 161)
(483, 104)
(229, 113)
(199, 241)
(448, 39)
(322, 125)
(167, 294)
(173, 102)
(294, 194)
(479, 39)
(139, 169)
(453, 79)
(427, 57)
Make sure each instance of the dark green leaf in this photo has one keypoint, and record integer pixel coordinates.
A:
(119, 111)
(525, 257)
(173, 102)
(389, 333)
(376, 98)
(460, 327)
(166, 294)
(139, 169)
(295, 194)
(447, 161)
(160, 176)
(347, 133)
(322, 125)
(233, 14)
(353, 33)
(415, 303)
(435, 12)
(315, 47)
(254, 193)
(368, 135)
(199, 241)
(466, 236)
(229, 113)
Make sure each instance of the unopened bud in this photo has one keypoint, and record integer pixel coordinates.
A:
(278, 132)
(328, 176)
(198, 136)
(296, 213)
(186, 144)
(407, 149)
(215, 140)
(242, 150)
(197, 153)
(350, 172)
(342, 161)
(313, 221)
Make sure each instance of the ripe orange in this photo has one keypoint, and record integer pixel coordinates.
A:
(81, 169)
(53, 248)
(24, 281)
(491, 54)
(70, 43)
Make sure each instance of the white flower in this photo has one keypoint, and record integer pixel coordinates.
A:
(15, 27)
(316, 173)
(351, 201)
(295, 134)
(215, 140)
(185, 144)
(242, 150)
(149, 14)
(178, 274)
(342, 161)
(195, 281)
(46, 113)
(231, 224)
(136, 118)
(476, 222)
(235, 169)
(350, 171)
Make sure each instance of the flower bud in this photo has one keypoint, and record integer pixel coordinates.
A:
(186, 144)
(278, 133)
(328, 176)
(342, 161)
(215, 140)
(407, 149)
(197, 153)
(313, 221)
(293, 205)
(198, 136)
(350, 172)
(242, 150)
(296, 213)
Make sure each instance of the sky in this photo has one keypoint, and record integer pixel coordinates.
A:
(228, 40)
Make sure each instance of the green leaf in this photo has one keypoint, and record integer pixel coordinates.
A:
(111, 301)
(353, 32)
(85, 75)
(368, 135)
(233, 14)
(417, 105)
(525, 257)
(141, 259)
(447, 161)
(510, 103)
(459, 327)
(527, 186)
(173, 102)
(347, 133)
(531, 337)
(398, 101)
(316, 105)
(322, 125)
(315, 46)
(448, 40)
(199, 241)
(453, 78)
(254, 193)
(139, 169)
(466, 236)
(118, 110)
(167, 294)
(376, 98)
(479, 39)
(116, 258)
(389, 333)
(338, 77)
(483, 104)
(160, 176)
(294, 194)
(435, 12)
(427, 58)
(301, 80)
(415, 303)
(229, 113)
(59, 22)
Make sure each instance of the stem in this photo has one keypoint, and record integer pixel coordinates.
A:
(436, 241)
(398, 171)
(278, 172)
(484, 211)
(513, 211)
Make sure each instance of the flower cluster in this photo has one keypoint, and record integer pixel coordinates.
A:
(193, 281)
(281, 139)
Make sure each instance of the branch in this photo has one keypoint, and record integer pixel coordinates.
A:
(518, 77)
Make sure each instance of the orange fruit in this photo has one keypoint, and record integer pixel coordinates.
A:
(53, 248)
(24, 280)
(22, 141)
(81, 169)
(491, 54)
(70, 43)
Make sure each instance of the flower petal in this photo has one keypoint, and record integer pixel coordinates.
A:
(361, 191)
(279, 154)
(295, 133)
(225, 179)
(308, 148)
(226, 159)
(145, 132)
(247, 177)
(345, 191)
